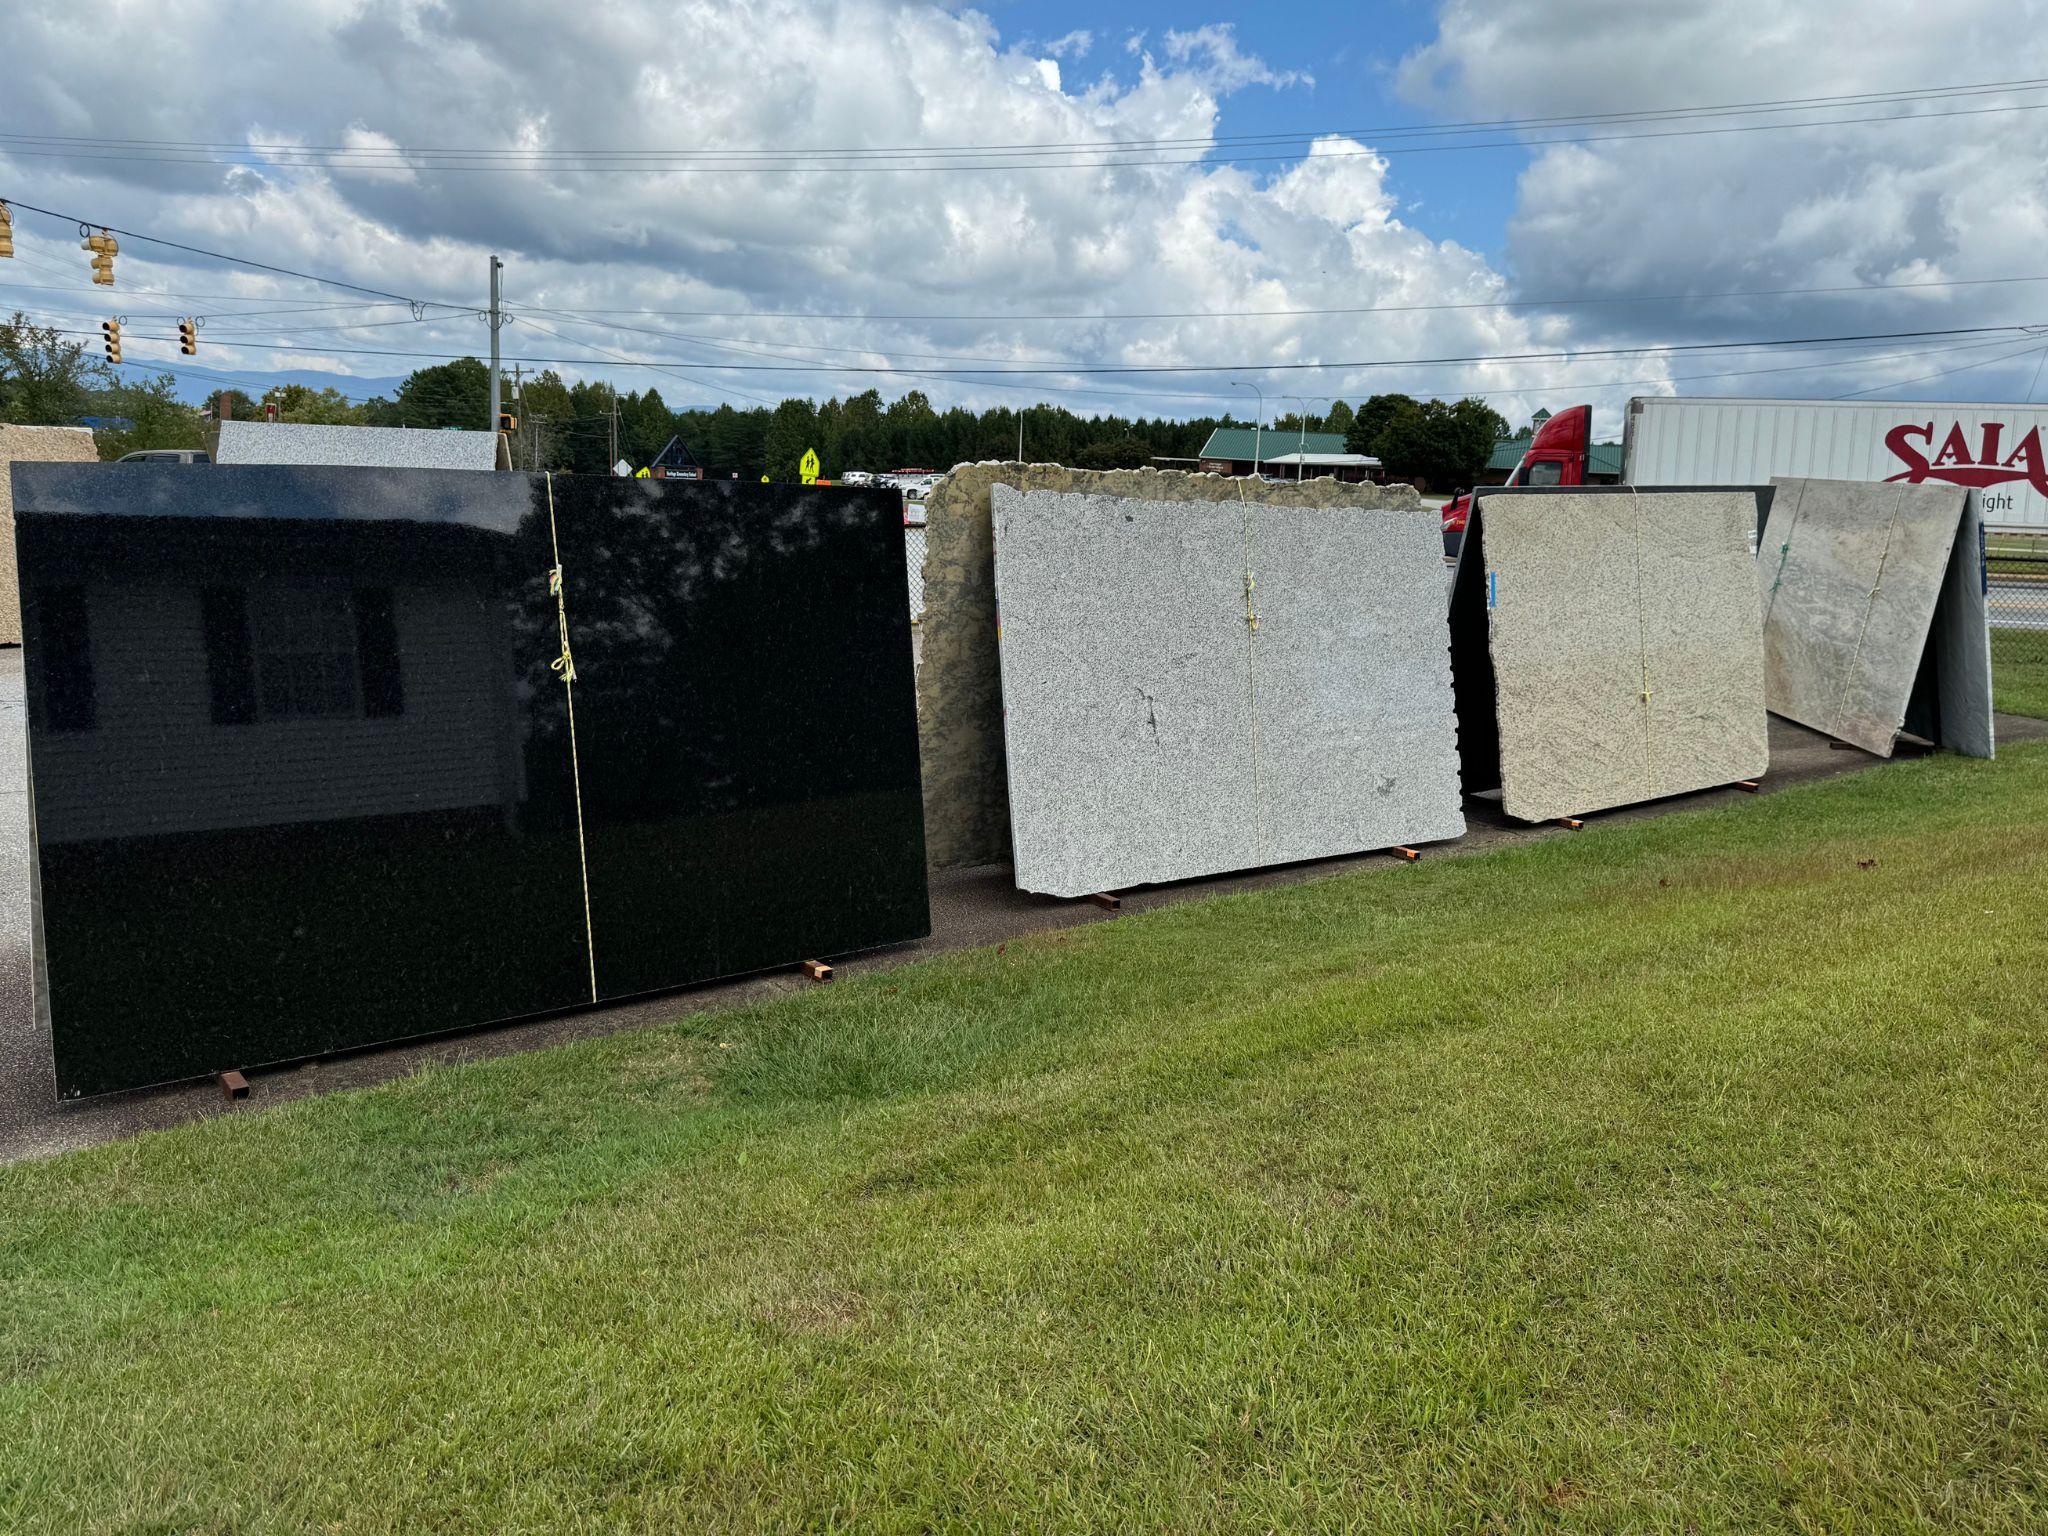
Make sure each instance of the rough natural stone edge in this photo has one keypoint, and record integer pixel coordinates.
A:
(959, 683)
(33, 445)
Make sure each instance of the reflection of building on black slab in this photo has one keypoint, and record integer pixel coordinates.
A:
(294, 665)
(303, 771)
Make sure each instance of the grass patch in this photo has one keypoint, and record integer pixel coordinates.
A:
(1689, 1174)
(2019, 670)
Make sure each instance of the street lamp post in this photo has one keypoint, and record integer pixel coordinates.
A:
(1301, 450)
(1259, 427)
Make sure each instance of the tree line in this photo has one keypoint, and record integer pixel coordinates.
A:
(586, 427)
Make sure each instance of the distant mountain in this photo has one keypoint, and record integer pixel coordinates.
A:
(194, 389)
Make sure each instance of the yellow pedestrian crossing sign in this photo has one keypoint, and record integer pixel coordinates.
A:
(764, 479)
(643, 473)
(808, 468)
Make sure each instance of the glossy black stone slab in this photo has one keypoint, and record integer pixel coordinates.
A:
(301, 762)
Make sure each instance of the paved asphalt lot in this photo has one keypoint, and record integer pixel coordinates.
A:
(969, 908)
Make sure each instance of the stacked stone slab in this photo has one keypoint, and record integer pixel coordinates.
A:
(960, 709)
(1193, 689)
(1874, 613)
(28, 445)
(1621, 646)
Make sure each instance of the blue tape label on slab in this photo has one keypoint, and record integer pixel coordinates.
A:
(1492, 590)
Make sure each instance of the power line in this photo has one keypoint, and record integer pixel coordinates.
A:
(842, 168)
(240, 261)
(366, 153)
(1349, 309)
(1561, 355)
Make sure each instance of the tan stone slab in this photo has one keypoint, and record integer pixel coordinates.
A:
(1852, 572)
(1626, 645)
(36, 445)
(959, 683)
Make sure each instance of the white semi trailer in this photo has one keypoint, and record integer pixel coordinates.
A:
(1995, 450)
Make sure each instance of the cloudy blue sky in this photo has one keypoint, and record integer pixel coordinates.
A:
(771, 275)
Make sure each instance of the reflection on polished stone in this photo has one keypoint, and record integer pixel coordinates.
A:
(302, 755)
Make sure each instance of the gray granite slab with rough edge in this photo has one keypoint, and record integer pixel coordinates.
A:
(1195, 689)
(959, 690)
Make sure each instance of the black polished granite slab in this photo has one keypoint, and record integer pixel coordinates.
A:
(301, 762)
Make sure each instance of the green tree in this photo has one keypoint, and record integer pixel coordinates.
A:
(45, 380)
(792, 428)
(1440, 444)
(1126, 452)
(544, 413)
(1339, 419)
(240, 406)
(160, 419)
(313, 407)
(1371, 419)
(456, 394)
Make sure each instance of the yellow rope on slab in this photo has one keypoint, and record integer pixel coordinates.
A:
(564, 666)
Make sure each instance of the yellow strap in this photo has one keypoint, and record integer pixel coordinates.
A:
(564, 666)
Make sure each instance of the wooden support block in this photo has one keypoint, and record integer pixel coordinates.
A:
(1749, 785)
(1410, 854)
(1570, 823)
(817, 970)
(234, 1085)
(1107, 899)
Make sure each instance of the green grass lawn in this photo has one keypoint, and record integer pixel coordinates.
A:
(2019, 671)
(1687, 1175)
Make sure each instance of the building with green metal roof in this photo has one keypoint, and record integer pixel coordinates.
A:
(1279, 451)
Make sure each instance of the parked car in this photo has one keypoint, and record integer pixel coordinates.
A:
(166, 456)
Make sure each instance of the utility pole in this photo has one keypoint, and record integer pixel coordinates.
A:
(614, 459)
(1020, 434)
(496, 320)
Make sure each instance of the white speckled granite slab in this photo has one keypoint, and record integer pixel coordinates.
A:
(1153, 733)
(1357, 736)
(1626, 645)
(1852, 574)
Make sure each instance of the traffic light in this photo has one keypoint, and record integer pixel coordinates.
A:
(6, 230)
(507, 421)
(188, 338)
(111, 330)
(104, 248)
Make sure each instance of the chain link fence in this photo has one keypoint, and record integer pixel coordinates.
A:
(2017, 578)
(913, 559)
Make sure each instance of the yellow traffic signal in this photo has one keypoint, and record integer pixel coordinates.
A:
(111, 330)
(104, 248)
(188, 337)
(507, 421)
(6, 230)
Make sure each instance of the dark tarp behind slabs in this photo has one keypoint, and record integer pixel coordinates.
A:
(301, 757)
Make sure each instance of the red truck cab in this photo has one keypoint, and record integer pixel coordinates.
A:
(1556, 455)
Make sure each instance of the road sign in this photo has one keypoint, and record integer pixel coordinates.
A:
(808, 468)
(643, 473)
(622, 469)
(764, 479)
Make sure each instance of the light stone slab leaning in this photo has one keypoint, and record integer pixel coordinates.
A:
(1195, 688)
(1619, 638)
(1874, 613)
(959, 687)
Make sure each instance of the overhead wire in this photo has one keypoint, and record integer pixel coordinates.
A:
(858, 160)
